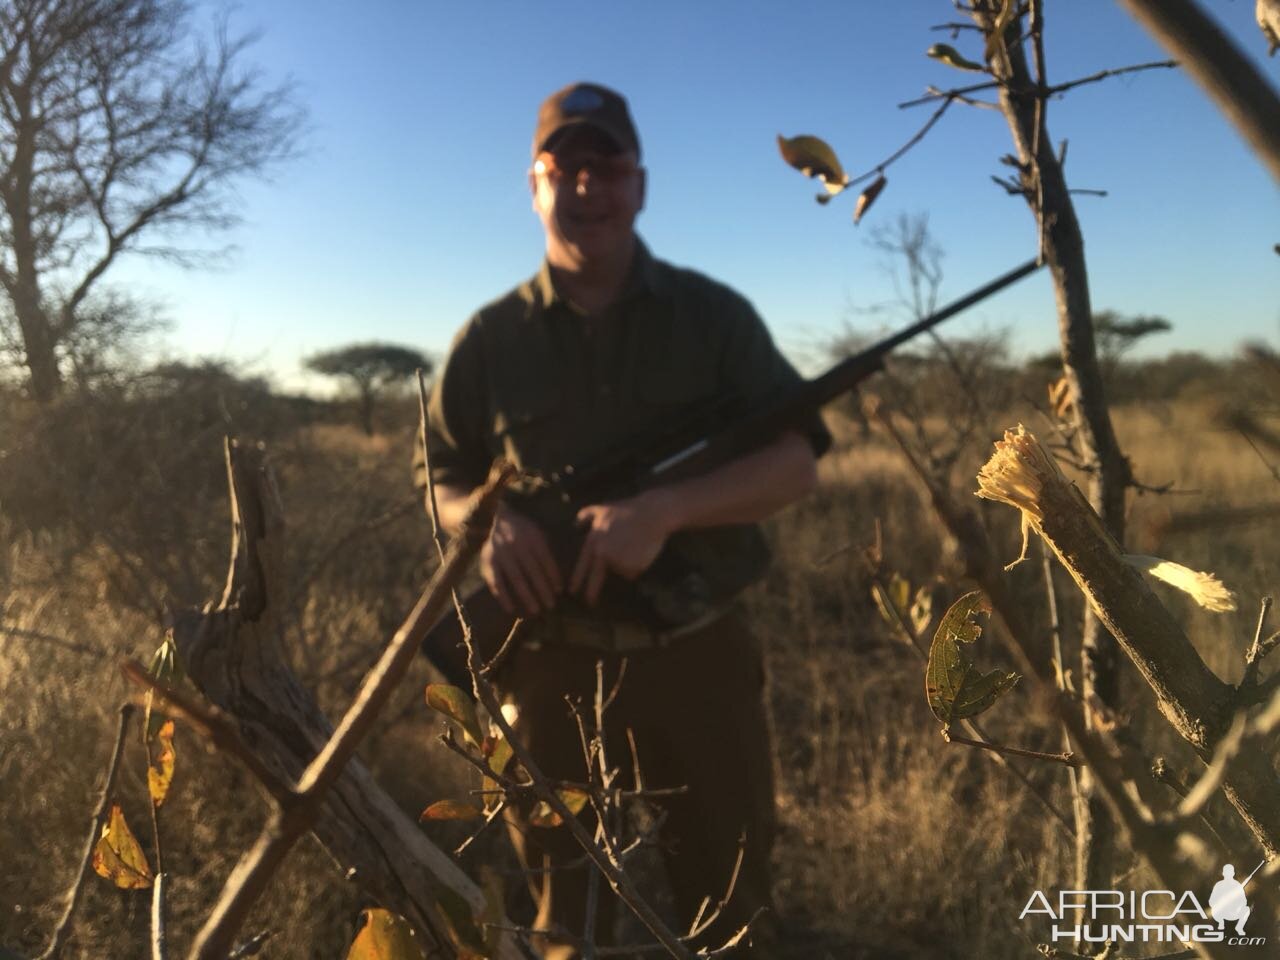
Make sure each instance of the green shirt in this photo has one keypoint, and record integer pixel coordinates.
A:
(531, 379)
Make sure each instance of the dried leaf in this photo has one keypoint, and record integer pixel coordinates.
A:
(954, 687)
(1268, 14)
(457, 706)
(160, 770)
(952, 57)
(385, 936)
(867, 198)
(117, 855)
(452, 810)
(814, 157)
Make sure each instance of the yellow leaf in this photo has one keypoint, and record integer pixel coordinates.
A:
(457, 706)
(384, 936)
(499, 753)
(117, 856)
(544, 816)
(160, 770)
(451, 810)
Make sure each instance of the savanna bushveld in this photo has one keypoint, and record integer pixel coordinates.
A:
(1059, 683)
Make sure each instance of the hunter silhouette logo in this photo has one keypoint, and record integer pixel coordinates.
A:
(1228, 900)
(1149, 916)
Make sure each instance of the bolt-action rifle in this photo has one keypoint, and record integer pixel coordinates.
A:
(669, 593)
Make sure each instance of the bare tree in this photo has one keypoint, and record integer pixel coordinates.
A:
(118, 127)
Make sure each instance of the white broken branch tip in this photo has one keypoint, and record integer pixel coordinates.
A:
(1018, 471)
(1016, 474)
(1202, 587)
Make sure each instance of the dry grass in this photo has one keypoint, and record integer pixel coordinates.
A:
(893, 843)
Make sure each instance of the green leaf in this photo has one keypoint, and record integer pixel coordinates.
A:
(952, 57)
(452, 810)
(813, 157)
(955, 688)
(385, 936)
(457, 706)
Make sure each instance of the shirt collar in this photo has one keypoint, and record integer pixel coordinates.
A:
(646, 276)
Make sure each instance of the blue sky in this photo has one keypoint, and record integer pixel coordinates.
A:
(409, 207)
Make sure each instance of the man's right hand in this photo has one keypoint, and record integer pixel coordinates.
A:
(518, 567)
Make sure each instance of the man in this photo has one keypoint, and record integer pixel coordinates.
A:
(602, 344)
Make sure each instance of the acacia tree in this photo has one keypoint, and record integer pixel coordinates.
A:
(117, 127)
(370, 368)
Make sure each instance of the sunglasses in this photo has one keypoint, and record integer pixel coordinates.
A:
(608, 169)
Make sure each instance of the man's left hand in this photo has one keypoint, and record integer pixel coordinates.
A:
(624, 537)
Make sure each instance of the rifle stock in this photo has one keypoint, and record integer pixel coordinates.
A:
(662, 458)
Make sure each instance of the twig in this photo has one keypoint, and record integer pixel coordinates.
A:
(1258, 650)
(1035, 89)
(215, 725)
(1055, 628)
(63, 928)
(1054, 953)
(252, 946)
(971, 726)
(489, 818)
(159, 948)
(879, 168)
(696, 928)
(1070, 759)
(1241, 91)
(292, 819)
(92, 650)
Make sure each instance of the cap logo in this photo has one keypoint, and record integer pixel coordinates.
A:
(582, 100)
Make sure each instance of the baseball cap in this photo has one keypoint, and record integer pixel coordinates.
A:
(588, 104)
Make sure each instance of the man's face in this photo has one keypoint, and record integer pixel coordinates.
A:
(587, 194)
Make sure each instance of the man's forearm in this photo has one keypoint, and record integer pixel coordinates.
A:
(745, 490)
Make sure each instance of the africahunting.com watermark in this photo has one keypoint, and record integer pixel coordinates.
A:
(1148, 916)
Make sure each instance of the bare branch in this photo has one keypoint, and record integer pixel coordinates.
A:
(1070, 759)
(249, 879)
(63, 928)
(1240, 90)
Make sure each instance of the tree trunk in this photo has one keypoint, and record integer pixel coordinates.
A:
(1062, 245)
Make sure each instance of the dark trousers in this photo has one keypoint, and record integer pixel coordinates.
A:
(695, 711)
